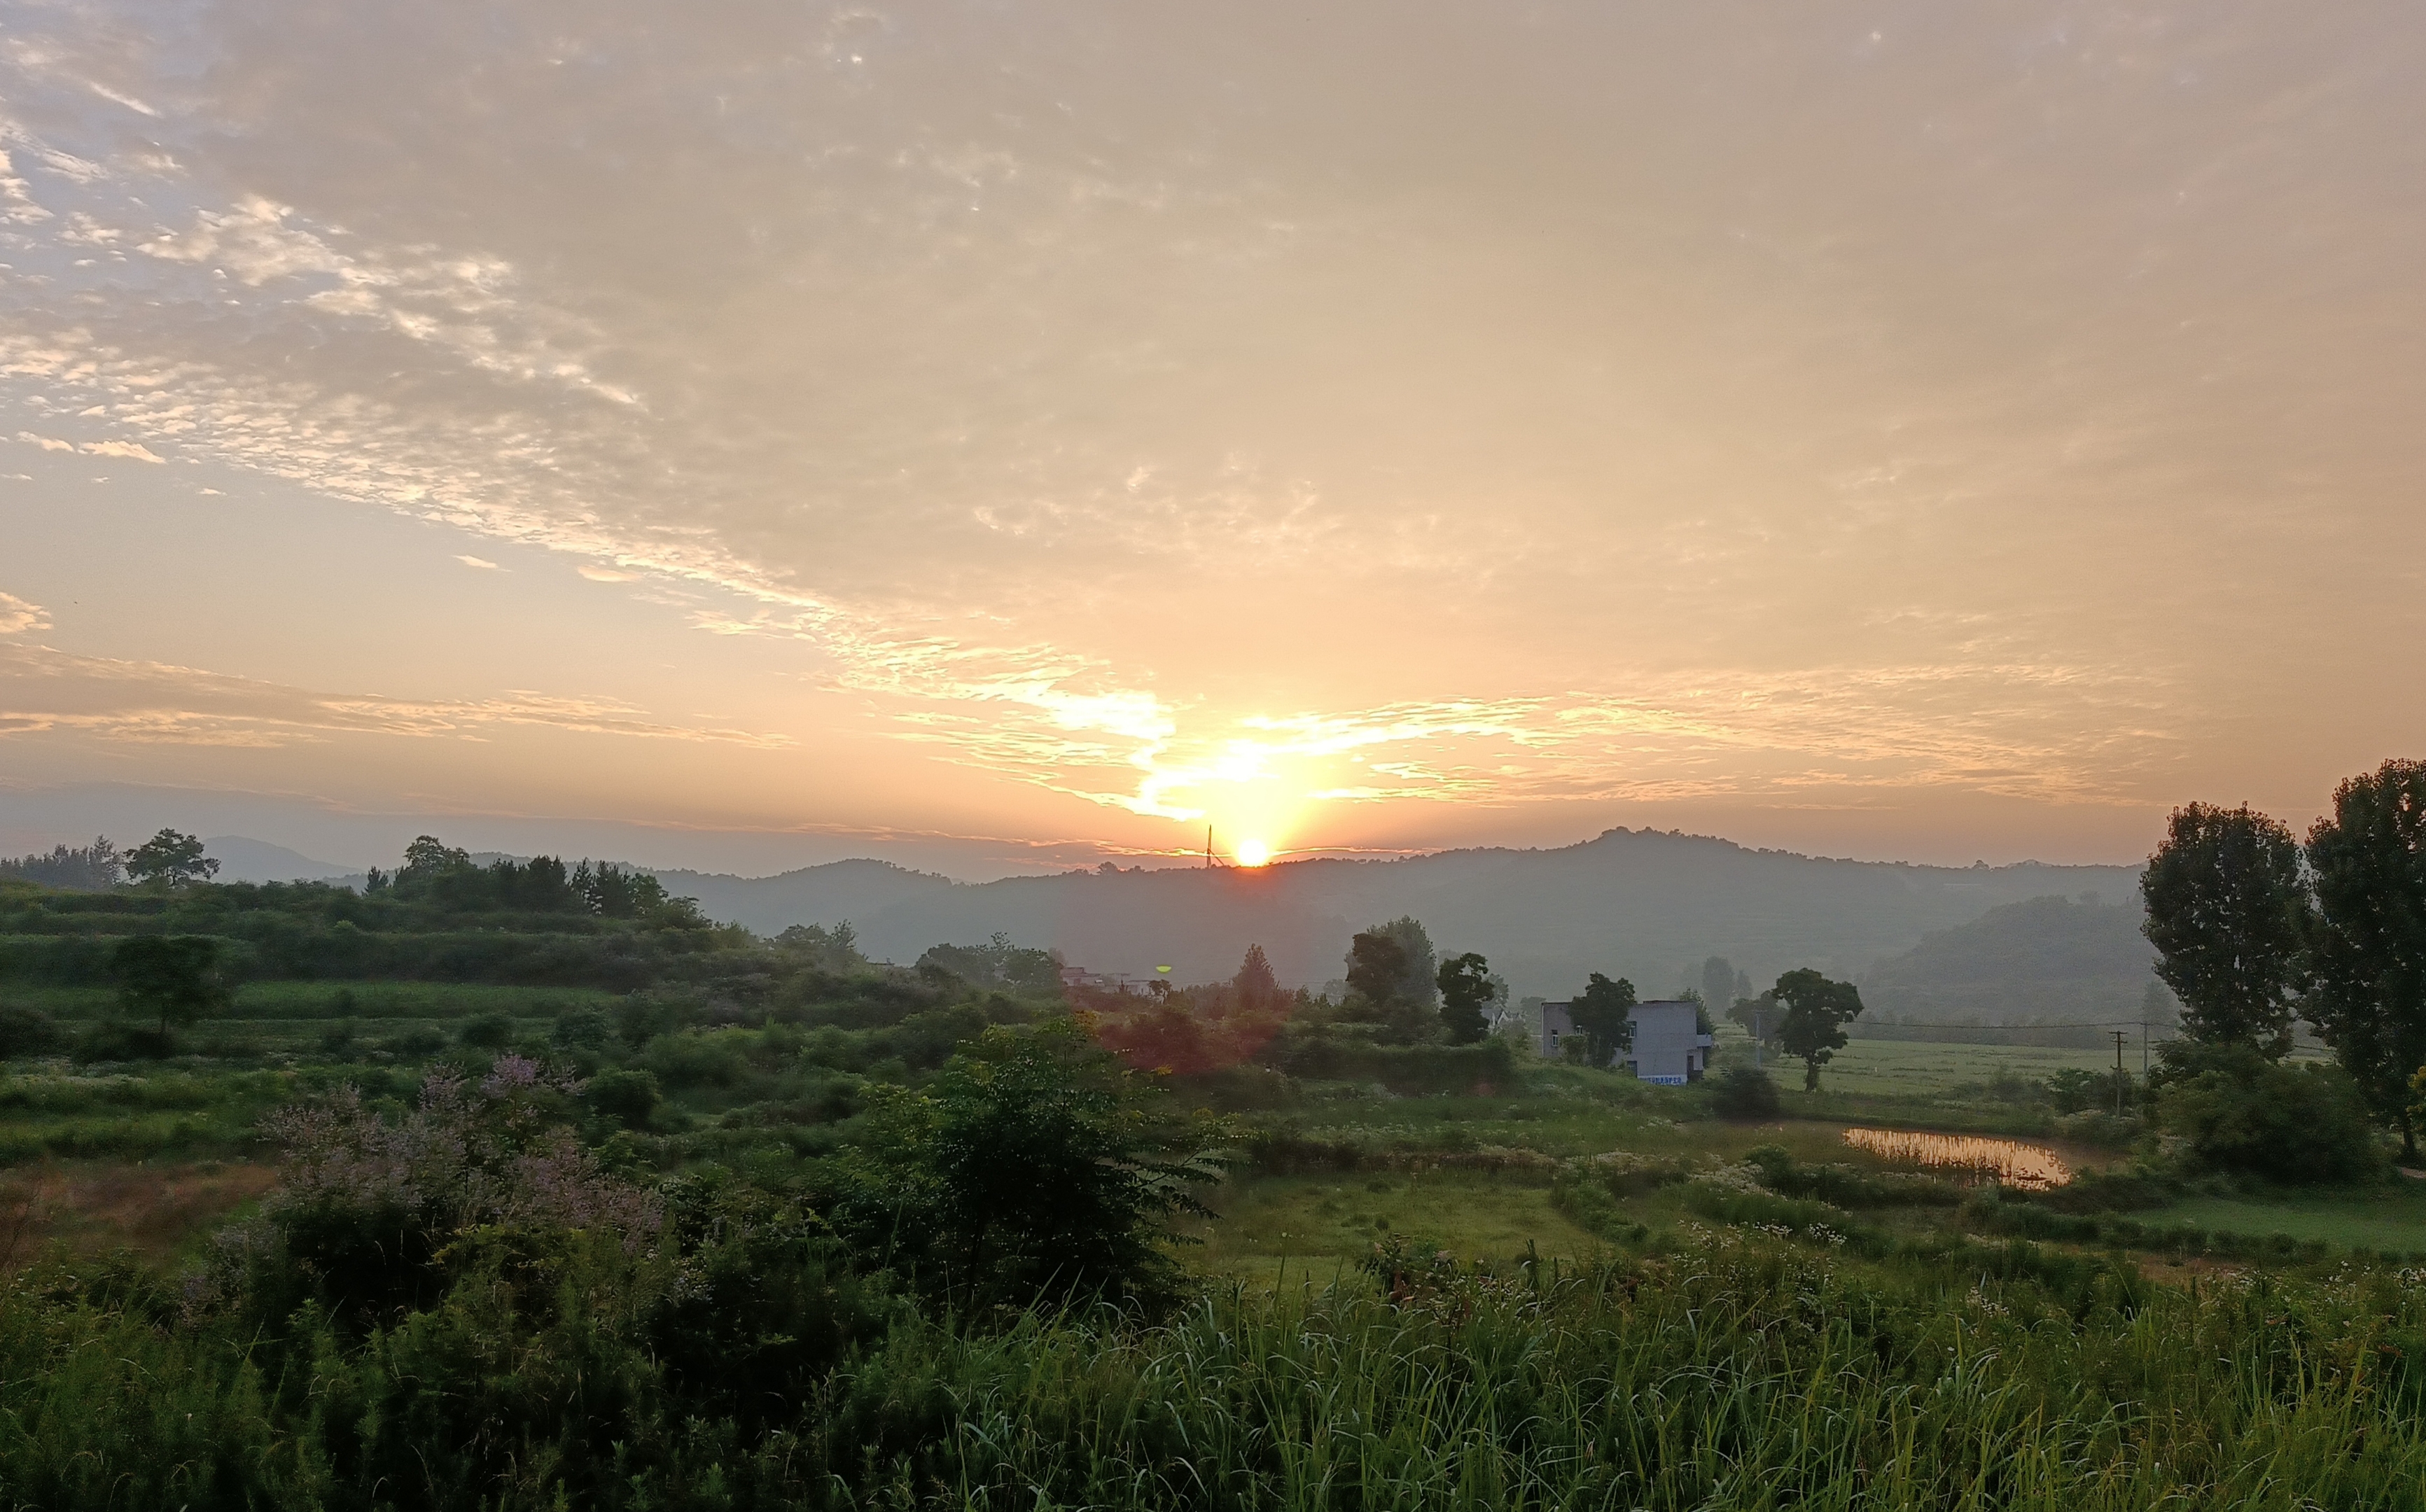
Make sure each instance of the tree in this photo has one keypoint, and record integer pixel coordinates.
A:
(1744, 1094)
(1417, 984)
(1258, 990)
(1465, 989)
(1377, 968)
(173, 977)
(2367, 939)
(1036, 1166)
(1601, 1012)
(1759, 1017)
(169, 859)
(1816, 1011)
(1719, 981)
(2227, 914)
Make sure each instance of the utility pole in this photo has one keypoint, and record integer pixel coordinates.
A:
(1755, 1039)
(2118, 1072)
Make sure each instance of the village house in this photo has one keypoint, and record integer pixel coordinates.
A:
(1669, 1047)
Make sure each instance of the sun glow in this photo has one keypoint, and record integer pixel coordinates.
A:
(1253, 853)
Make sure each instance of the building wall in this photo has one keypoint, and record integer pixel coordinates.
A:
(1669, 1047)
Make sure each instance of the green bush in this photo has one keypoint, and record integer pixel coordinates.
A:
(29, 1032)
(487, 1031)
(629, 1096)
(1745, 1094)
(2235, 1111)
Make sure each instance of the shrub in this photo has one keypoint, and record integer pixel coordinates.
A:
(1745, 1094)
(487, 1031)
(364, 1203)
(28, 1031)
(2233, 1110)
(628, 1097)
(124, 1041)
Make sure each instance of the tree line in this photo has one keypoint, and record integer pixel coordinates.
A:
(2256, 931)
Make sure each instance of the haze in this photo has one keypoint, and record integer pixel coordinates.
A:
(1000, 436)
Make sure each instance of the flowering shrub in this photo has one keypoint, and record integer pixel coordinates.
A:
(365, 1203)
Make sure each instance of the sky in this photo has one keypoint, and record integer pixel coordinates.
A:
(1000, 436)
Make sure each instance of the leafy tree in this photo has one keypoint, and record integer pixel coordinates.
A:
(1377, 968)
(1759, 1017)
(997, 964)
(834, 949)
(2367, 944)
(1465, 987)
(82, 868)
(1035, 1165)
(1600, 1011)
(2226, 913)
(1816, 1011)
(170, 858)
(174, 978)
(1418, 986)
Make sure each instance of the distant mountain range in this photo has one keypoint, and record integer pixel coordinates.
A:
(1641, 904)
(1635, 903)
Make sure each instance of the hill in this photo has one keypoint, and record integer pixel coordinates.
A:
(1640, 903)
(2042, 959)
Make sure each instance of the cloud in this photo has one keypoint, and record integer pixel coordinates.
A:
(606, 574)
(481, 562)
(133, 451)
(43, 691)
(17, 616)
(48, 443)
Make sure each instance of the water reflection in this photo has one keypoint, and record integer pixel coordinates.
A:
(2017, 1165)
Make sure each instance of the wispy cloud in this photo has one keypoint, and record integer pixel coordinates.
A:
(43, 691)
(481, 562)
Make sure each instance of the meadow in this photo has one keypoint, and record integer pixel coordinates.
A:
(1425, 1275)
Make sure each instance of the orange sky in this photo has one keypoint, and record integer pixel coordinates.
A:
(1001, 436)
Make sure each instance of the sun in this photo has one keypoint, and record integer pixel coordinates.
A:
(1253, 852)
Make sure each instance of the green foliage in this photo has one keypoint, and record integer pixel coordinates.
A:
(834, 950)
(1256, 990)
(629, 1096)
(174, 978)
(1465, 989)
(2369, 946)
(487, 1031)
(1035, 1165)
(1603, 1013)
(2235, 1110)
(1744, 1093)
(997, 964)
(1816, 1011)
(2226, 911)
(81, 868)
(169, 859)
(28, 1031)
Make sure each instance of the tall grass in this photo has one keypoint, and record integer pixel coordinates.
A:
(1743, 1374)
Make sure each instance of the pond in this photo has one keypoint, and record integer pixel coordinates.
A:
(2008, 1161)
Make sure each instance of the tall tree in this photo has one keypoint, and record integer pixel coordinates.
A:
(1377, 969)
(2368, 943)
(174, 978)
(1417, 984)
(1465, 989)
(1719, 983)
(2226, 913)
(1258, 990)
(1816, 1011)
(171, 858)
(1602, 1012)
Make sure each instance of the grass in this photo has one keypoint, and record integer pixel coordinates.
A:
(1319, 1225)
(157, 1212)
(2392, 1217)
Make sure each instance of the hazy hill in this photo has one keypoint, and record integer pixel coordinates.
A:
(1637, 903)
(257, 861)
(2044, 960)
